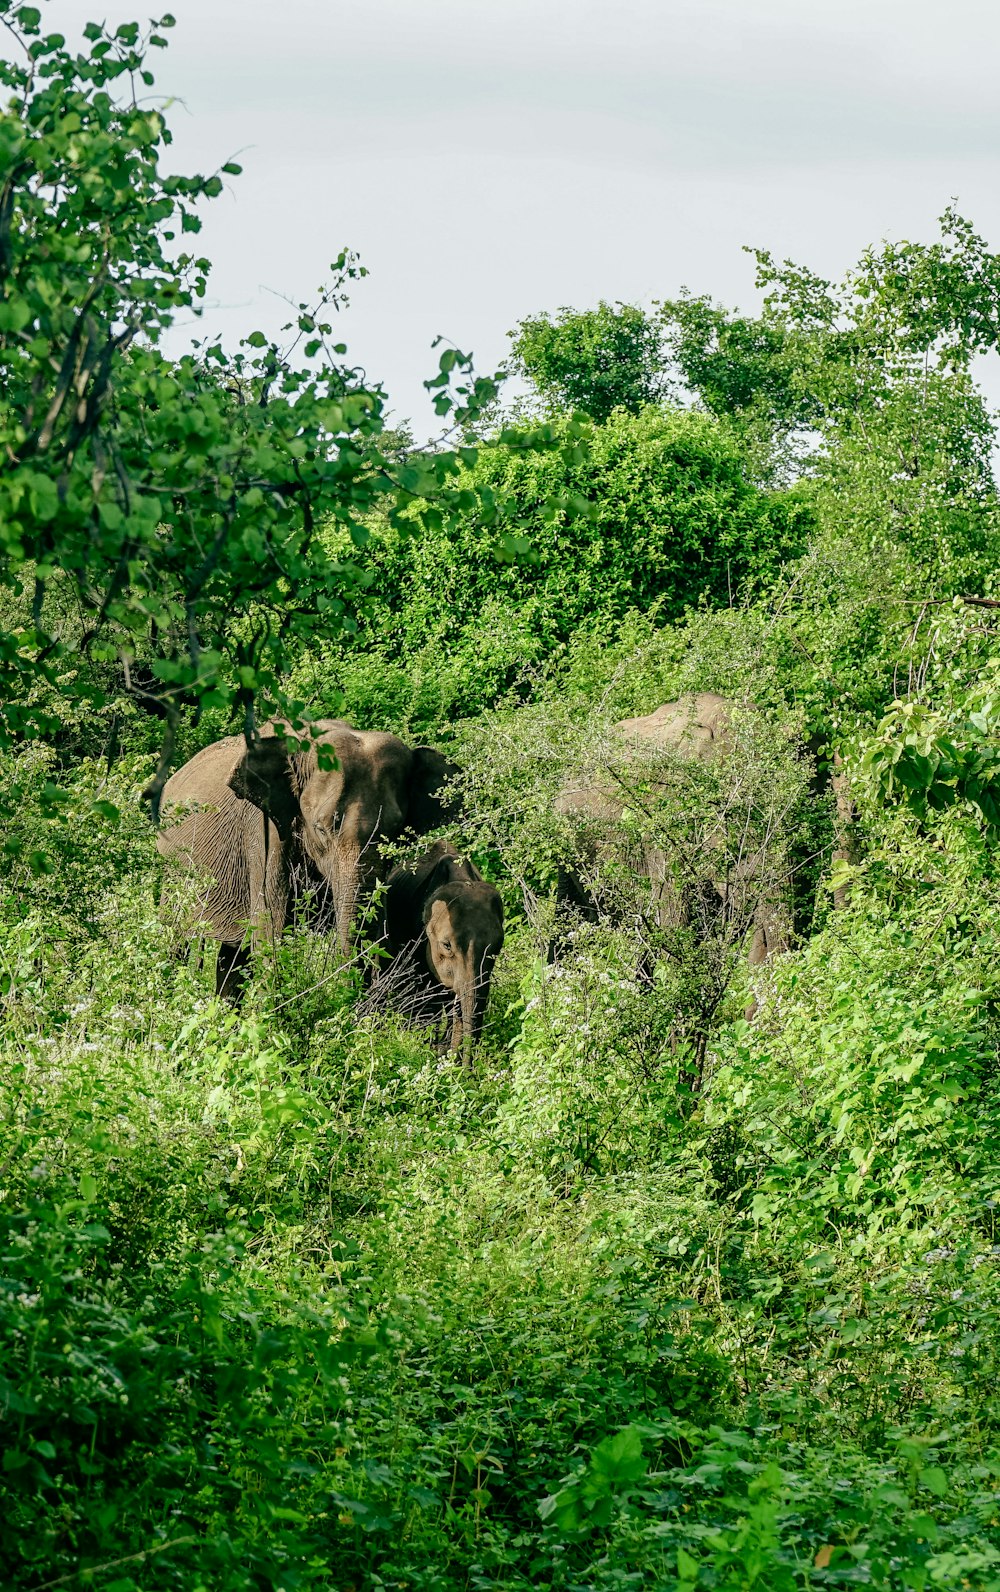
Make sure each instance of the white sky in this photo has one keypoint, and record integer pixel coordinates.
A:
(492, 158)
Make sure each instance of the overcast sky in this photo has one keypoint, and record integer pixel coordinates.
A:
(492, 158)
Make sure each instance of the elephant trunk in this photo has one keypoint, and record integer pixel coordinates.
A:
(473, 994)
(346, 889)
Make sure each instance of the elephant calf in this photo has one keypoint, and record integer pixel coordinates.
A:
(442, 914)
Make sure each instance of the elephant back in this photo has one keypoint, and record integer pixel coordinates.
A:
(587, 796)
(204, 826)
(197, 795)
(698, 726)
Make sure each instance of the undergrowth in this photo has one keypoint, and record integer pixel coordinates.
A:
(291, 1301)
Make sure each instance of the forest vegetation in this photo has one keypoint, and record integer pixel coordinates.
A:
(690, 1279)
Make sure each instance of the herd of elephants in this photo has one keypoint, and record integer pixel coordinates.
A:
(256, 821)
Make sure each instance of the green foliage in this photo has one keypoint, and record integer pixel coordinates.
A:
(869, 378)
(742, 369)
(595, 361)
(604, 1337)
(647, 512)
(615, 1466)
(146, 1405)
(439, 678)
(936, 749)
(655, 1293)
(165, 510)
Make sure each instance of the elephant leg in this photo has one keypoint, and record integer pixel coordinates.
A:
(758, 945)
(772, 935)
(231, 971)
(269, 883)
(776, 922)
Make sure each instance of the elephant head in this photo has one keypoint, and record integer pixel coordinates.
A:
(463, 924)
(443, 921)
(340, 797)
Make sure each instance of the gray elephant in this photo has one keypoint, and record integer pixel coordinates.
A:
(443, 929)
(258, 819)
(720, 873)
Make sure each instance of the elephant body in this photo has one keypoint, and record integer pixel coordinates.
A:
(693, 879)
(259, 820)
(443, 923)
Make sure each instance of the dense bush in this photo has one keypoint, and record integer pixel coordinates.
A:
(646, 511)
(380, 1320)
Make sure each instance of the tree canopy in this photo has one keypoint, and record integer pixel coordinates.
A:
(155, 507)
(592, 360)
(647, 512)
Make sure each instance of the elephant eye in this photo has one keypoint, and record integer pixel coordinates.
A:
(446, 945)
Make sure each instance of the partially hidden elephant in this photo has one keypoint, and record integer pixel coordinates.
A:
(257, 819)
(673, 882)
(443, 925)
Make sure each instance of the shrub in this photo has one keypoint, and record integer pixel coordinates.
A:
(648, 511)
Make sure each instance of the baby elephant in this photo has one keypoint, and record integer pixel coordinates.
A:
(441, 915)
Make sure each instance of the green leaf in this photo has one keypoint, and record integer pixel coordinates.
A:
(935, 1480)
(841, 874)
(687, 1567)
(15, 314)
(43, 496)
(925, 1526)
(620, 1457)
(111, 516)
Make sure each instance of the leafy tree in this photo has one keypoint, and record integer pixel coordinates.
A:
(649, 511)
(878, 365)
(596, 361)
(865, 390)
(153, 508)
(744, 369)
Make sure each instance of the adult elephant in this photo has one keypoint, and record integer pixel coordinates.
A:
(256, 818)
(651, 842)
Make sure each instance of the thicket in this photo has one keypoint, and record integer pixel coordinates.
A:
(650, 513)
(286, 1299)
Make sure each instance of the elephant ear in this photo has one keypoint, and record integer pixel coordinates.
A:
(263, 776)
(429, 806)
(407, 889)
